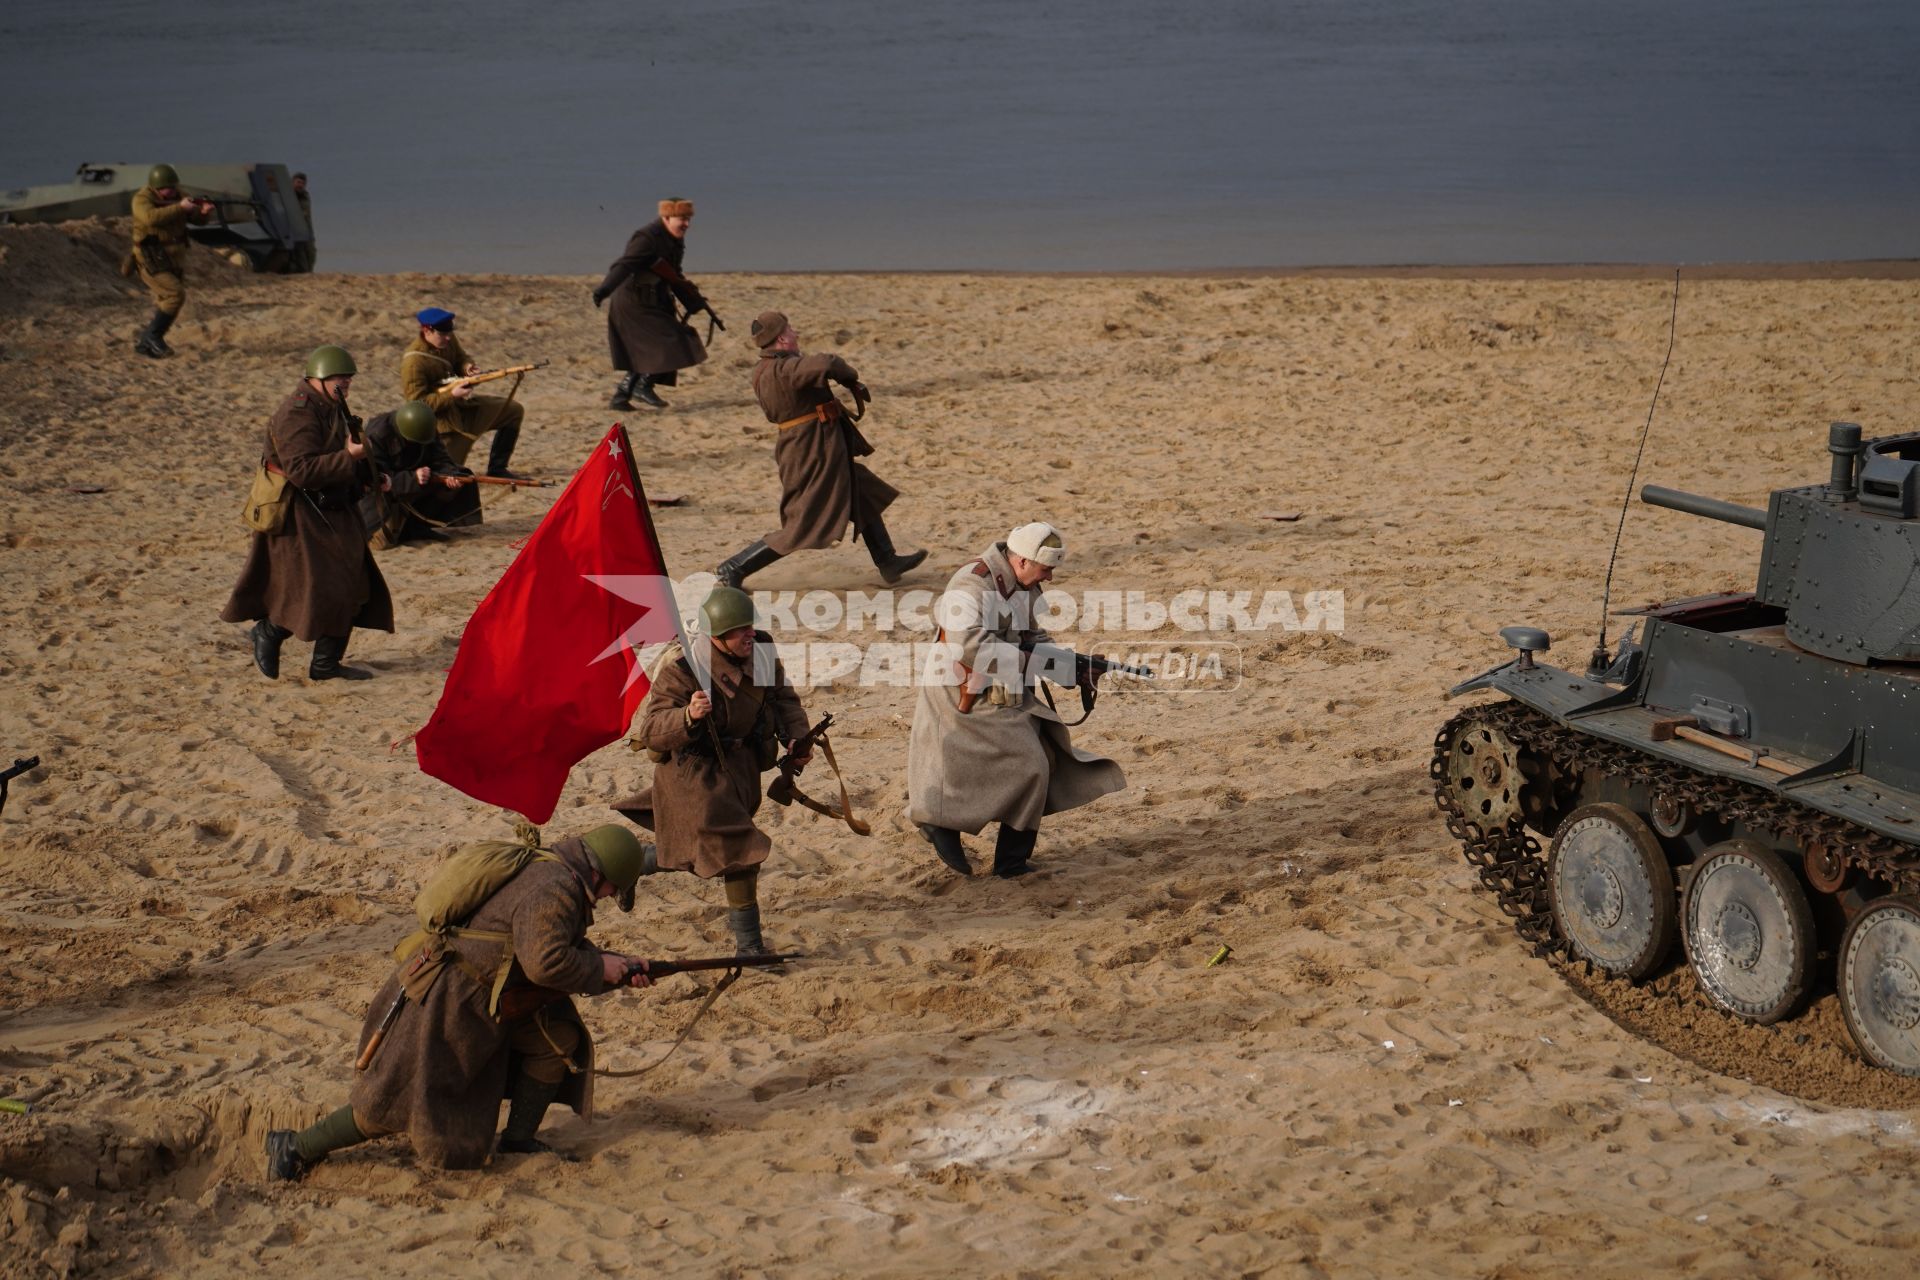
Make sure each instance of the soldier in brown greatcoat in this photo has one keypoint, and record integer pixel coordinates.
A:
(649, 341)
(822, 489)
(463, 413)
(315, 578)
(485, 1017)
(160, 218)
(703, 797)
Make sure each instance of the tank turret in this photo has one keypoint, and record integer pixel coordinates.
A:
(1841, 559)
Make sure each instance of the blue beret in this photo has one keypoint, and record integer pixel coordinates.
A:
(433, 316)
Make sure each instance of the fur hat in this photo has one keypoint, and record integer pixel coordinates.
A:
(675, 207)
(1039, 542)
(767, 328)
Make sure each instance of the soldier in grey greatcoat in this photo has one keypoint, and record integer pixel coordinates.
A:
(984, 747)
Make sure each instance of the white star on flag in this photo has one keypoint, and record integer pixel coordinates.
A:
(659, 618)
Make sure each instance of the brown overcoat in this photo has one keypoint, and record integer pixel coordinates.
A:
(1008, 760)
(644, 332)
(441, 1072)
(315, 577)
(701, 809)
(822, 488)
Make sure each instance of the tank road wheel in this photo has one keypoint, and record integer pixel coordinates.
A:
(1749, 931)
(1879, 983)
(1611, 890)
(1483, 772)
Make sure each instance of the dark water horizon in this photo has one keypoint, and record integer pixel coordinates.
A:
(1037, 136)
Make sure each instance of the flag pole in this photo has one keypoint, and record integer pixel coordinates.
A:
(698, 663)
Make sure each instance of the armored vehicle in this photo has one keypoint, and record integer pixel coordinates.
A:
(1744, 779)
(256, 212)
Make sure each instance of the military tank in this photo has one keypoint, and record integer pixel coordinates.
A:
(1742, 780)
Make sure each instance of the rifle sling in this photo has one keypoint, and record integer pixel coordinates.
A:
(845, 812)
(726, 981)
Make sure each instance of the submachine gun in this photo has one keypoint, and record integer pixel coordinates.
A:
(1087, 670)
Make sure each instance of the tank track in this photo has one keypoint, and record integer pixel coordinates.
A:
(1513, 868)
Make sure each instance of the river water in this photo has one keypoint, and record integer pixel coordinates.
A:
(1011, 134)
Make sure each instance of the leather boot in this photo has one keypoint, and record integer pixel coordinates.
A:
(745, 923)
(527, 1103)
(891, 565)
(161, 323)
(622, 395)
(500, 452)
(947, 846)
(148, 341)
(1012, 851)
(326, 664)
(267, 640)
(646, 394)
(750, 559)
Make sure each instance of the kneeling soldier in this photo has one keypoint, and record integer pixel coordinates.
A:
(421, 487)
(709, 750)
(984, 748)
(464, 415)
(480, 998)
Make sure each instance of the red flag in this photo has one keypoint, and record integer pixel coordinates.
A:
(548, 670)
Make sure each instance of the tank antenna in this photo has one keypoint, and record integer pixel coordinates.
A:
(1599, 659)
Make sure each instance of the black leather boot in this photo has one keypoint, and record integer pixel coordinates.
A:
(527, 1103)
(1012, 851)
(326, 664)
(646, 394)
(267, 640)
(623, 394)
(891, 565)
(500, 452)
(750, 559)
(149, 341)
(745, 923)
(158, 328)
(946, 844)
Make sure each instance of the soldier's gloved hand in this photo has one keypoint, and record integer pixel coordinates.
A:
(699, 706)
(598, 298)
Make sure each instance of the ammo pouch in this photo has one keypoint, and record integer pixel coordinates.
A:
(154, 257)
(267, 501)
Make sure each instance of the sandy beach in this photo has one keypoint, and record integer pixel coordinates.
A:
(200, 884)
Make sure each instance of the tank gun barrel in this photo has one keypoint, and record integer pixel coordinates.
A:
(1697, 505)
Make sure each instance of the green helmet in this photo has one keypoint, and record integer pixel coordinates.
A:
(330, 362)
(726, 608)
(618, 853)
(162, 175)
(414, 421)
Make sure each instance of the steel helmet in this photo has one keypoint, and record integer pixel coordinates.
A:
(162, 175)
(618, 853)
(330, 362)
(414, 421)
(725, 609)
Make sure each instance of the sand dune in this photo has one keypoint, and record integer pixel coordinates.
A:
(198, 887)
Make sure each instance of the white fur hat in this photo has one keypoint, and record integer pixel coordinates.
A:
(1039, 542)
